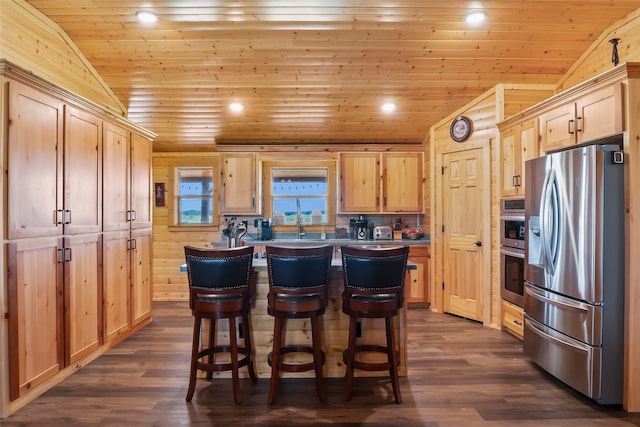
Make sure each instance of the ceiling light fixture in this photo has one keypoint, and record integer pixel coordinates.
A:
(388, 107)
(236, 106)
(475, 17)
(146, 16)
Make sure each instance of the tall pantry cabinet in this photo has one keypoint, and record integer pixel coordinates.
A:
(59, 300)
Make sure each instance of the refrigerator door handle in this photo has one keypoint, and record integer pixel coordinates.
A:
(545, 205)
(565, 304)
(577, 347)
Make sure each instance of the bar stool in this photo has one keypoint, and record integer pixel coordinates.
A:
(220, 288)
(298, 278)
(373, 288)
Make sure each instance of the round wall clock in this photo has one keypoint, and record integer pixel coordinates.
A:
(461, 128)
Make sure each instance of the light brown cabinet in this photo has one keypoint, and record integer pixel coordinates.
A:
(82, 295)
(127, 231)
(35, 316)
(55, 220)
(54, 191)
(591, 116)
(417, 290)
(513, 319)
(381, 183)
(518, 144)
(239, 193)
(140, 254)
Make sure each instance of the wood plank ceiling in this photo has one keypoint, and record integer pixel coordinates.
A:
(317, 71)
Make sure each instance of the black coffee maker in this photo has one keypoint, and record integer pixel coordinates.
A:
(362, 231)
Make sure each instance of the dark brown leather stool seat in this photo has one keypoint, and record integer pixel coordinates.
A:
(298, 279)
(220, 287)
(373, 288)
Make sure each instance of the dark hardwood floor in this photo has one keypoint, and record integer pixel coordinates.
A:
(460, 374)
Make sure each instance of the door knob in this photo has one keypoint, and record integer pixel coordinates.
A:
(478, 243)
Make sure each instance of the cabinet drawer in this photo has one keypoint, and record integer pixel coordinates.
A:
(513, 319)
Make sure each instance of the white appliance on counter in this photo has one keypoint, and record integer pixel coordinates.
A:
(382, 232)
(574, 268)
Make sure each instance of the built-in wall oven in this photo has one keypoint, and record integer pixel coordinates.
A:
(512, 250)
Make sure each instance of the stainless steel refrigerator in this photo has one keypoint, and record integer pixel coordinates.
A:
(574, 268)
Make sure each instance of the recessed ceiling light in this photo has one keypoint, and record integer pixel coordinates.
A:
(236, 106)
(475, 17)
(146, 16)
(388, 107)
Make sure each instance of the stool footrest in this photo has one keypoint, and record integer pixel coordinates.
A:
(296, 367)
(223, 366)
(370, 366)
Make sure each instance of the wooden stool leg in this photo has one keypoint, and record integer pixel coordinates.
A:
(393, 358)
(275, 358)
(249, 345)
(351, 348)
(211, 344)
(316, 339)
(195, 348)
(233, 341)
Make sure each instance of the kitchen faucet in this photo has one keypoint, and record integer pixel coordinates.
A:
(301, 232)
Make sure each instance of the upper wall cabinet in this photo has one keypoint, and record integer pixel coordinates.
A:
(517, 145)
(239, 193)
(591, 116)
(381, 183)
(35, 141)
(140, 211)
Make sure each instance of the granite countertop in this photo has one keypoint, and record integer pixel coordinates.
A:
(334, 242)
(261, 264)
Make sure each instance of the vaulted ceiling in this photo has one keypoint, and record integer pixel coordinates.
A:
(317, 71)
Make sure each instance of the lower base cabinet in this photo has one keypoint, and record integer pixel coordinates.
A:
(513, 319)
(417, 290)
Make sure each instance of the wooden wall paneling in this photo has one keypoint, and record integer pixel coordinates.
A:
(168, 245)
(597, 58)
(632, 244)
(33, 41)
(486, 111)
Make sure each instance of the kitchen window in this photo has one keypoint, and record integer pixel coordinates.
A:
(194, 201)
(300, 193)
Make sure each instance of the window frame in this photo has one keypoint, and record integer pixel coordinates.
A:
(267, 202)
(173, 202)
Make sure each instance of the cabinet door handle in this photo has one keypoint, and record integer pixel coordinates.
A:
(516, 180)
(133, 215)
(132, 244)
(58, 216)
(570, 128)
(578, 124)
(60, 255)
(478, 243)
(67, 254)
(66, 216)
